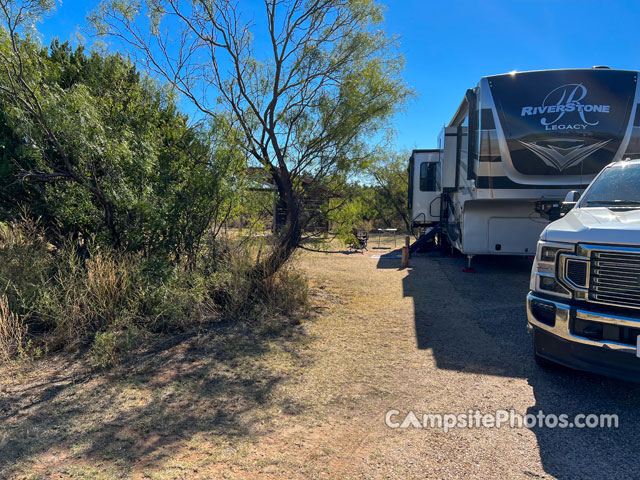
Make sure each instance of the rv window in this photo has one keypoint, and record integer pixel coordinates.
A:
(428, 173)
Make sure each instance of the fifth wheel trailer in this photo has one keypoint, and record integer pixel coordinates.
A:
(517, 144)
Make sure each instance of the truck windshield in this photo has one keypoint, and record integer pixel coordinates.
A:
(617, 186)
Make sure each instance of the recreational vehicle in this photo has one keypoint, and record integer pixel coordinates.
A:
(517, 144)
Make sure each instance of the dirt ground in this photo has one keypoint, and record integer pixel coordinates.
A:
(309, 400)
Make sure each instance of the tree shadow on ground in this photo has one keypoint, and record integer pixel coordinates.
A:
(218, 383)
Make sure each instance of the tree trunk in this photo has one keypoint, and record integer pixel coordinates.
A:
(288, 237)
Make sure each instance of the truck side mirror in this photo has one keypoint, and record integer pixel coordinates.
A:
(569, 202)
(572, 197)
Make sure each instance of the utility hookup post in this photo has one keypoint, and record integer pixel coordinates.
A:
(405, 254)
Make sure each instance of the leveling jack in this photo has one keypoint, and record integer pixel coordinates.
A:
(468, 268)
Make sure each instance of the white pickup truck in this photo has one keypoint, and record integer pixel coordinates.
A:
(584, 305)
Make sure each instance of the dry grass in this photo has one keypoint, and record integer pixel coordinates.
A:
(12, 331)
(89, 298)
(75, 296)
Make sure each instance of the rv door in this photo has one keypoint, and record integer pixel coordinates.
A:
(425, 177)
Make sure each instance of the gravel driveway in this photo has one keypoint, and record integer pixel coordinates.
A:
(472, 328)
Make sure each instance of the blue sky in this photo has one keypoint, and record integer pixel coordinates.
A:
(449, 45)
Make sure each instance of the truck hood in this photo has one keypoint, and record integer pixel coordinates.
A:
(596, 225)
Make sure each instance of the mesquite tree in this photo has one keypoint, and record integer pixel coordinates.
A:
(310, 83)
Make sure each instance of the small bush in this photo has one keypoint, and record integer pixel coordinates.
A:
(239, 291)
(110, 347)
(230, 284)
(287, 291)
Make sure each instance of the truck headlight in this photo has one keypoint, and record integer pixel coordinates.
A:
(545, 266)
(548, 252)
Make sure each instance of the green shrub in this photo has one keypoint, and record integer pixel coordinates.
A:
(110, 347)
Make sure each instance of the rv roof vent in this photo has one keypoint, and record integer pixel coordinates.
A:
(601, 67)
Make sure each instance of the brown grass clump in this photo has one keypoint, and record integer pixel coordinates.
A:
(12, 331)
(91, 296)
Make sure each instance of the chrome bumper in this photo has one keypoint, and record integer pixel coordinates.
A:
(563, 316)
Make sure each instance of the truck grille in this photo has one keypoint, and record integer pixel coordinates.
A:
(577, 272)
(615, 278)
